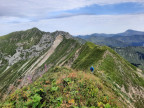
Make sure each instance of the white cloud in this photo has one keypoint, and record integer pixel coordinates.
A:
(35, 8)
(18, 14)
(7, 20)
(82, 24)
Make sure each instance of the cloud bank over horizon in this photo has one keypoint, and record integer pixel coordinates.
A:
(74, 16)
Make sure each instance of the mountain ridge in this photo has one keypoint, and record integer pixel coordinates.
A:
(123, 79)
(125, 39)
(128, 32)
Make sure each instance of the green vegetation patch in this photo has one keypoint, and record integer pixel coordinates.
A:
(62, 87)
(90, 54)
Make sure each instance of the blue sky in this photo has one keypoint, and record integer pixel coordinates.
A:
(74, 16)
(108, 9)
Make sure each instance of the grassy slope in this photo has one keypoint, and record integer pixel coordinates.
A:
(112, 64)
(109, 66)
(89, 54)
(132, 54)
(63, 87)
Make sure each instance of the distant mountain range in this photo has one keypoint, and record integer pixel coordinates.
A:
(127, 38)
(129, 44)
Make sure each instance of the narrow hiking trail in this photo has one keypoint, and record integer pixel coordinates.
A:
(100, 61)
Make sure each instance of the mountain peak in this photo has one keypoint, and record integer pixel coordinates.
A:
(133, 31)
(130, 30)
(66, 34)
(34, 29)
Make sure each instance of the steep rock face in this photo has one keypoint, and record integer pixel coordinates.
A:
(35, 46)
(45, 42)
(22, 54)
(31, 71)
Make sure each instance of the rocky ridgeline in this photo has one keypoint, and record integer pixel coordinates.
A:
(31, 48)
(45, 42)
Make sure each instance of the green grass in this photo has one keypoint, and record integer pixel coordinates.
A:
(112, 68)
(89, 55)
(62, 87)
(115, 67)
